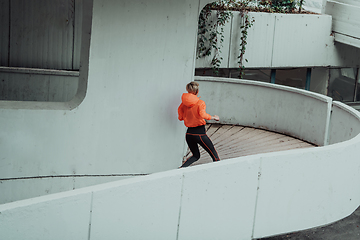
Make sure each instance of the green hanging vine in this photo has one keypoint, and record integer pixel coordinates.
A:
(211, 30)
(214, 16)
(245, 25)
(211, 34)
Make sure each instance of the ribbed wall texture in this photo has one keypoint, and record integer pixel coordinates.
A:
(40, 34)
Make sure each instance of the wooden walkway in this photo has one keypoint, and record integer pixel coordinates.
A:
(232, 141)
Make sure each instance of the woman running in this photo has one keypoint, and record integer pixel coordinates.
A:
(192, 111)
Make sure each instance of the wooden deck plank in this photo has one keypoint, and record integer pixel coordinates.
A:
(277, 145)
(265, 150)
(239, 133)
(253, 138)
(221, 133)
(237, 140)
(232, 141)
(274, 141)
(213, 128)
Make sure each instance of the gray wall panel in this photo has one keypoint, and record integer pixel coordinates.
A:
(77, 33)
(42, 33)
(4, 32)
(37, 87)
(39, 34)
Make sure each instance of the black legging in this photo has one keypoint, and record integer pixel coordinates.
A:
(195, 136)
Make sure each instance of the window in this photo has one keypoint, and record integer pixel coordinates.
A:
(262, 75)
(342, 83)
(291, 77)
(40, 49)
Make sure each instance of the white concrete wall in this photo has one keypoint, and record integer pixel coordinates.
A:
(129, 110)
(307, 188)
(179, 204)
(316, 6)
(123, 109)
(284, 40)
(60, 216)
(282, 109)
(53, 86)
(344, 125)
(346, 27)
(242, 198)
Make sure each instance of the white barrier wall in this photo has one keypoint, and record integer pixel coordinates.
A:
(282, 109)
(129, 110)
(242, 198)
(274, 38)
(345, 14)
(64, 216)
(344, 125)
(309, 188)
(179, 204)
(316, 6)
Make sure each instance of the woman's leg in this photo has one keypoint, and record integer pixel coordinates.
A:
(207, 144)
(192, 142)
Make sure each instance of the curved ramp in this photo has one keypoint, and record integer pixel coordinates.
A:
(233, 141)
(245, 198)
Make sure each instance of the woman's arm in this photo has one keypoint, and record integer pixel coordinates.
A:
(204, 115)
(215, 117)
(180, 112)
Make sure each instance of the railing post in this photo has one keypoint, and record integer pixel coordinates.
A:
(308, 79)
(357, 75)
(273, 74)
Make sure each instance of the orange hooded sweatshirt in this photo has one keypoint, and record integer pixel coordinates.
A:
(192, 110)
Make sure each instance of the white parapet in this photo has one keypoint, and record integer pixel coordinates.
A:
(282, 109)
(242, 198)
(283, 40)
(346, 18)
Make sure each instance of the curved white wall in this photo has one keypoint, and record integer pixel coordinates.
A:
(344, 125)
(243, 198)
(282, 109)
(129, 110)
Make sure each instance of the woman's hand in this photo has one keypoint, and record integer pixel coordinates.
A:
(215, 117)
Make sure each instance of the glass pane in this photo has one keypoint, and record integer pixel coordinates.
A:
(291, 77)
(222, 72)
(358, 86)
(262, 75)
(342, 84)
